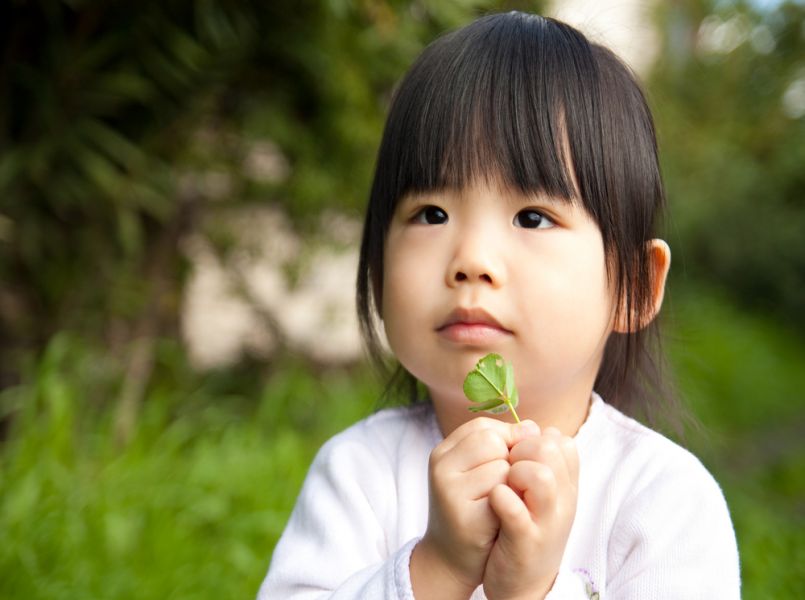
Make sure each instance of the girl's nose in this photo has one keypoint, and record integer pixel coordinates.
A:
(475, 262)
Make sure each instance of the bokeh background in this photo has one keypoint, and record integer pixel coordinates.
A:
(181, 187)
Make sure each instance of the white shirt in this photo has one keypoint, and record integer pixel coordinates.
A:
(651, 522)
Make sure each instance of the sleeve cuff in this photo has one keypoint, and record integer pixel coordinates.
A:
(573, 585)
(402, 571)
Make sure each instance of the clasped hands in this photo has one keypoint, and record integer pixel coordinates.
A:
(502, 502)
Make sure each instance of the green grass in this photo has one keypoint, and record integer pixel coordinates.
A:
(190, 509)
(193, 506)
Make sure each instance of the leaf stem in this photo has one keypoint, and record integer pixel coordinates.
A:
(511, 408)
(502, 394)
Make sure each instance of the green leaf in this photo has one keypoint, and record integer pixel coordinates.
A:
(490, 386)
(488, 405)
(487, 380)
(509, 379)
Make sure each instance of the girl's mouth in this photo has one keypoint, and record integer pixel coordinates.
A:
(472, 326)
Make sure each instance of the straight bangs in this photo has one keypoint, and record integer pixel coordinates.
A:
(488, 103)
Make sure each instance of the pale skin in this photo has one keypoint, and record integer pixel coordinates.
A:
(502, 496)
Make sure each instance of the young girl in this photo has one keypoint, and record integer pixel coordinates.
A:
(512, 211)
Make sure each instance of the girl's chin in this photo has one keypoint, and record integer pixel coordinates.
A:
(448, 394)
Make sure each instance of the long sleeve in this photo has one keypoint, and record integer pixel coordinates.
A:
(674, 539)
(651, 522)
(353, 528)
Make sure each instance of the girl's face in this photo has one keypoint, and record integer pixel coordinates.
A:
(484, 270)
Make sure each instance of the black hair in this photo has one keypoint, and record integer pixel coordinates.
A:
(529, 103)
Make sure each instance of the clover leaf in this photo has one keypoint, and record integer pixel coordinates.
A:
(490, 386)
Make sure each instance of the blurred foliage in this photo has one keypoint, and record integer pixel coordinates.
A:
(121, 121)
(729, 99)
(742, 377)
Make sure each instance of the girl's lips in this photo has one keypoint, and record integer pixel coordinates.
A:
(472, 326)
(472, 333)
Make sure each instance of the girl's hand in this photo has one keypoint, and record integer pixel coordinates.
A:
(536, 510)
(449, 560)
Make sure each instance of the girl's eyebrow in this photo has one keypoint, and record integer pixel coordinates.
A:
(539, 198)
(513, 198)
(426, 196)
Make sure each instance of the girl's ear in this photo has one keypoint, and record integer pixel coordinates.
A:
(659, 257)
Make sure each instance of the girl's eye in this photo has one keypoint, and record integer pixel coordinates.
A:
(431, 215)
(532, 219)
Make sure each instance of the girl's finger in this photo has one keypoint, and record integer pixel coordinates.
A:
(479, 482)
(554, 450)
(511, 433)
(515, 518)
(544, 449)
(567, 446)
(476, 448)
(537, 484)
